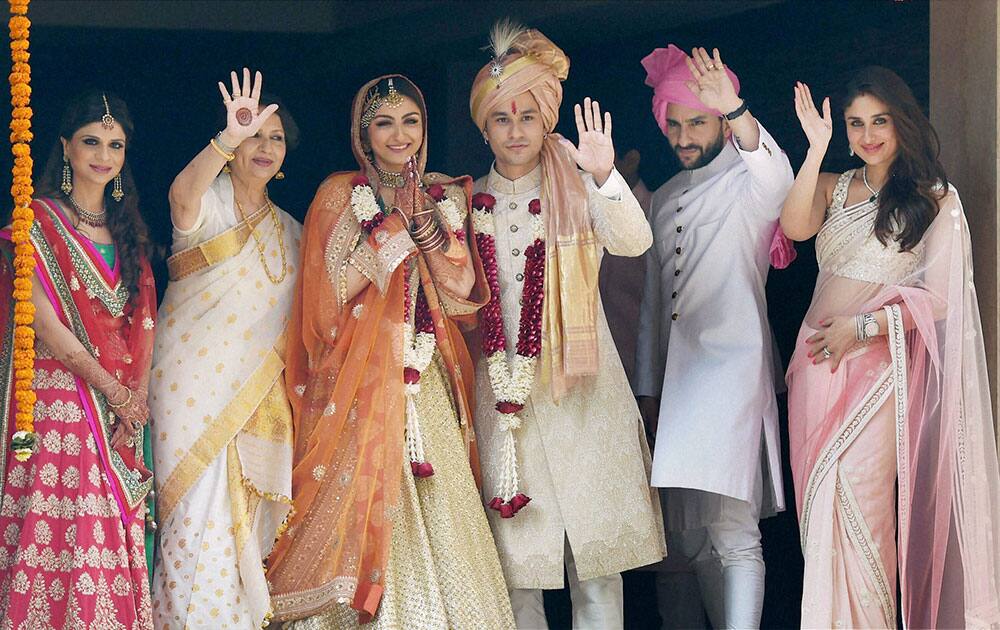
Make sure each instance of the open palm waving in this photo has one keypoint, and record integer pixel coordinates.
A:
(242, 118)
(596, 152)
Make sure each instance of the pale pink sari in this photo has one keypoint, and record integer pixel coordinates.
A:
(897, 448)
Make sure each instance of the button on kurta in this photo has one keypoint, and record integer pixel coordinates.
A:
(519, 277)
(677, 251)
(680, 229)
(515, 252)
(674, 317)
(679, 208)
(673, 295)
(512, 205)
(513, 228)
(677, 272)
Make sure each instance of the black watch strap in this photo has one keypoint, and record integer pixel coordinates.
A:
(739, 111)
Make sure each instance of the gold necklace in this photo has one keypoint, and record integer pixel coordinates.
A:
(93, 219)
(260, 245)
(388, 178)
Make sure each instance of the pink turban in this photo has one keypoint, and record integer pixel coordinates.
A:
(666, 73)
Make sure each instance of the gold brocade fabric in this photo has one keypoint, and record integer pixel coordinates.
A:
(443, 570)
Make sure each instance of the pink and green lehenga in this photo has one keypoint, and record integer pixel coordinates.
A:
(72, 516)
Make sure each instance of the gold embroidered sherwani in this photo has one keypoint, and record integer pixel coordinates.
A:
(583, 461)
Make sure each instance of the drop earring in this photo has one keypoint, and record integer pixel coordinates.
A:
(485, 139)
(850, 151)
(67, 177)
(116, 191)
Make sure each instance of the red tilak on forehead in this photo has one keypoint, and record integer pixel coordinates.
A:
(513, 107)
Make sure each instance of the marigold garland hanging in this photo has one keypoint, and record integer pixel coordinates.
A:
(23, 442)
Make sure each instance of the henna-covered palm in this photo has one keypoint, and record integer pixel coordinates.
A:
(818, 128)
(242, 118)
(596, 151)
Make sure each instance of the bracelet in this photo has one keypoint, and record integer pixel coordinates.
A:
(739, 111)
(422, 213)
(127, 400)
(423, 230)
(229, 157)
(222, 145)
(427, 234)
(859, 327)
(433, 243)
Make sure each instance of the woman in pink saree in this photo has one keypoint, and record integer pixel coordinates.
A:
(891, 430)
(72, 515)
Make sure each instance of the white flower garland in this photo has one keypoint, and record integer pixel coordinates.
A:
(453, 215)
(363, 203)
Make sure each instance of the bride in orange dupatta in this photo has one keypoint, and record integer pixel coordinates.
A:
(388, 525)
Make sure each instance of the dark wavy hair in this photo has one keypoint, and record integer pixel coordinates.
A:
(128, 230)
(908, 203)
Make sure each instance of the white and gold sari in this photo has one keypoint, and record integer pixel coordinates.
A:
(222, 432)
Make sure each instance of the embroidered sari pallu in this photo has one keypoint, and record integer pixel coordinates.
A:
(72, 516)
(894, 454)
(222, 423)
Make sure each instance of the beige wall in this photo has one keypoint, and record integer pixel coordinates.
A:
(964, 55)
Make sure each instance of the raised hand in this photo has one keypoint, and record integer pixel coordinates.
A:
(818, 129)
(410, 198)
(712, 84)
(596, 152)
(242, 118)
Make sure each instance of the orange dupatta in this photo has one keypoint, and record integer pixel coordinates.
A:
(344, 374)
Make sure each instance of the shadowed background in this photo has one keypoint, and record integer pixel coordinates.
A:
(164, 59)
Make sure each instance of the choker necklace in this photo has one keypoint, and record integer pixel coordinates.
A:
(864, 178)
(388, 178)
(93, 219)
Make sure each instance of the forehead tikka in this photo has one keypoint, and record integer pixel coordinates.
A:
(107, 120)
(374, 100)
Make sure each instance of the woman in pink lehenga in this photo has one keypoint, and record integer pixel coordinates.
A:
(71, 516)
(892, 441)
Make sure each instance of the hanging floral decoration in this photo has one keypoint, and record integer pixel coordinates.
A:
(511, 383)
(24, 440)
(418, 350)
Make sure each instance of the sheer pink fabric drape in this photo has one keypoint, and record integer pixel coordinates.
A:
(948, 484)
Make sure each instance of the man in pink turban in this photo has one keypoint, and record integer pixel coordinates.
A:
(555, 419)
(717, 444)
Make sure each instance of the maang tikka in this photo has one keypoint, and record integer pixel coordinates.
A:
(374, 100)
(107, 120)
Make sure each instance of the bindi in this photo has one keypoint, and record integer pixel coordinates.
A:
(513, 107)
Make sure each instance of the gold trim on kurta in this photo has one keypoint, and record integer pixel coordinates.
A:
(207, 446)
(215, 250)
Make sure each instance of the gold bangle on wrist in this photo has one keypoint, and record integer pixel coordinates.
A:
(229, 157)
(120, 405)
(423, 230)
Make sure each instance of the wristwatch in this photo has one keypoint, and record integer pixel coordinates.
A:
(736, 113)
(871, 328)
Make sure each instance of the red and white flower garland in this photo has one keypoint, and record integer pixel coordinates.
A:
(511, 383)
(418, 327)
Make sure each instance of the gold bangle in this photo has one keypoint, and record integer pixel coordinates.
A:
(427, 235)
(423, 212)
(127, 400)
(228, 156)
(429, 247)
(424, 230)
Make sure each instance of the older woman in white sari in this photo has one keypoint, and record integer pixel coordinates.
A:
(222, 429)
(891, 431)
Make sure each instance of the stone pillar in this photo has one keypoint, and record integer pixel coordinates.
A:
(964, 109)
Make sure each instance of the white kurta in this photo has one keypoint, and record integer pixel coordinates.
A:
(705, 346)
(584, 461)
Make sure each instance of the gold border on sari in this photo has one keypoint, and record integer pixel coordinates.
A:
(215, 250)
(216, 438)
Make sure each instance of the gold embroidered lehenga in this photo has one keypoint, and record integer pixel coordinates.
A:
(369, 541)
(909, 410)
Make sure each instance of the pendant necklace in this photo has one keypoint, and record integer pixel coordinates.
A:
(864, 178)
(93, 219)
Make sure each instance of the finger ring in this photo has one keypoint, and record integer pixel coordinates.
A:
(826, 353)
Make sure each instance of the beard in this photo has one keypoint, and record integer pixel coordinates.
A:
(708, 152)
